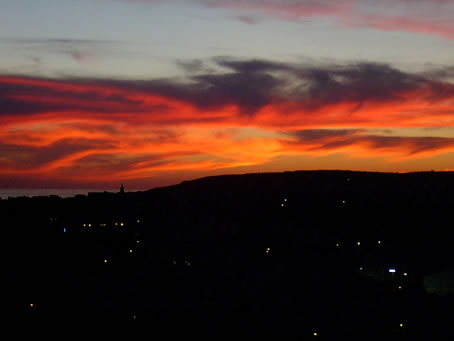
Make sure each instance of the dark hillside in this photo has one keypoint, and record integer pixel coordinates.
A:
(282, 254)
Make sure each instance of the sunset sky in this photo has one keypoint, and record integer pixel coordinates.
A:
(94, 93)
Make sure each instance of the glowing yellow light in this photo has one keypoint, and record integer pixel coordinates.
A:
(134, 317)
(130, 251)
(379, 242)
(31, 305)
(85, 225)
(358, 243)
(89, 225)
(105, 260)
(401, 325)
(343, 201)
(121, 224)
(315, 334)
(337, 244)
(282, 205)
(138, 241)
(399, 287)
(116, 224)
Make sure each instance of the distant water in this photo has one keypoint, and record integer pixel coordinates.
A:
(36, 192)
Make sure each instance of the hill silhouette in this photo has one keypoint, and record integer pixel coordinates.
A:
(283, 254)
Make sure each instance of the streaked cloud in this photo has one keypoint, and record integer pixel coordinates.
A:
(326, 140)
(417, 16)
(432, 17)
(224, 114)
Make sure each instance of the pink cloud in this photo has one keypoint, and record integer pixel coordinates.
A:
(426, 17)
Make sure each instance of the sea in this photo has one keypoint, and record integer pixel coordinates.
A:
(37, 192)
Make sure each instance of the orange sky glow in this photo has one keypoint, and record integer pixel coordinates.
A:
(90, 133)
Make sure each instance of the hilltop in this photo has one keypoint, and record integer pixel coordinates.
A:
(296, 250)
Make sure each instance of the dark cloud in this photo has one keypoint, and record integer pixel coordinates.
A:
(14, 156)
(108, 164)
(415, 145)
(356, 83)
(248, 84)
(311, 135)
(331, 139)
(194, 66)
(250, 91)
(31, 96)
(253, 65)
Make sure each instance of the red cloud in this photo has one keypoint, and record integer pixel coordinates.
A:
(105, 131)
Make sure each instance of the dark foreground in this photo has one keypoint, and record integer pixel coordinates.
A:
(296, 254)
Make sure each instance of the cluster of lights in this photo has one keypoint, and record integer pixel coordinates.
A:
(267, 250)
(358, 243)
(104, 225)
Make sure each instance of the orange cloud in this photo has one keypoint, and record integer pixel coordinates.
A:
(74, 131)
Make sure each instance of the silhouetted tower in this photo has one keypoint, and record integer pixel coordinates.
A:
(122, 189)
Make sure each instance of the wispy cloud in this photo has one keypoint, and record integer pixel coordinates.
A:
(80, 50)
(363, 142)
(225, 113)
(432, 17)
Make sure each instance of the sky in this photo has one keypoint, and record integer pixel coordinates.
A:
(95, 93)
